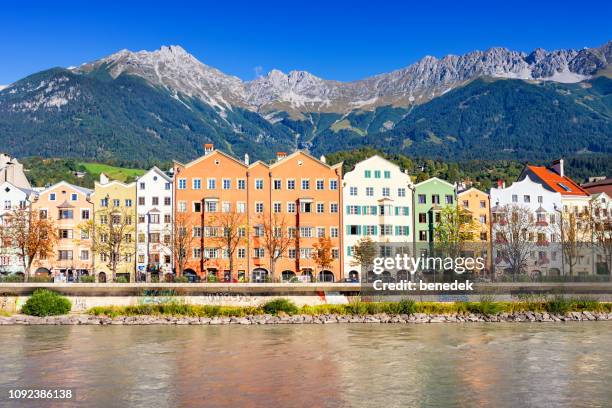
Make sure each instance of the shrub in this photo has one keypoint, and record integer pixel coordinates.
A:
(357, 308)
(558, 304)
(181, 279)
(87, 279)
(212, 279)
(406, 306)
(41, 279)
(46, 303)
(12, 278)
(280, 305)
(154, 279)
(485, 305)
(585, 303)
(121, 279)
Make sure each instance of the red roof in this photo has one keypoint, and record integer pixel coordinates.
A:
(563, 185)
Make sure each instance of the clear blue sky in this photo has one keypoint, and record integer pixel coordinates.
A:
(343, 40)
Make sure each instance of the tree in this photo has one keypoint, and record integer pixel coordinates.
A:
(32, 235)
(112, 232)
(572, 238)
(276, 238)
(599, 228)
(181, 243)
(233, 225)
(455, 228)
(513, 225)
(322, 254)
(364, 252)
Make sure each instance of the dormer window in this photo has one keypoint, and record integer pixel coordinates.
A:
(564, 186)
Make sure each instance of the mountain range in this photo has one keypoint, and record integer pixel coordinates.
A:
(154, 106)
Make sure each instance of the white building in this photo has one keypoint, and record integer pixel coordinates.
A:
(154, 231)
(377, 197)
(12, 171)
(544, 207)
(12, 198)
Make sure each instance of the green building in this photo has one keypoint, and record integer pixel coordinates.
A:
(430, 196)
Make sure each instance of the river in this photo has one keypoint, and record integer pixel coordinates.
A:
(340, 365)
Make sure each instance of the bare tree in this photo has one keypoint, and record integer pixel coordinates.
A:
(276, 238)
(513, 225)
(233, 228)
(31, 234)
(573, 237)
(181, 243)
(599, 229)
(322, 254)
(112, 232)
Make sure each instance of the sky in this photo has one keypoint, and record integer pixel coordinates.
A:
(341, 40)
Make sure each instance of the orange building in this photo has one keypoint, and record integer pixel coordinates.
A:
(70, 207)
(297, 197)
(477, 203)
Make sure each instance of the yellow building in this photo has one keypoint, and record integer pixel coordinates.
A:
(477, 203)
(114, 229)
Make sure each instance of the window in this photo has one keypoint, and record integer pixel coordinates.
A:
(103, 219)
(52, 197)
(259, 252)
(197, 184)
(305, 184)
(241, 184)
(291, 253)
(154, 237)
(306, 232)
(353, 191)
(182, 206)
(197, 232)
(84, 255)
(182, 184)
(227, 184)
(241, 207)
(386, 229)
(154, 218)
(333, 232)
(320, 184)
(335, 253)
(128, 203)
(368, 174)
(155, 201)
(291, 232)
(483, 219)
(483, 236)
(387, 174)
(320, 208)
(197, 206)
(291, 207)
(141, 201)
(305, 207)
(167, 201)
(483, 204)
(449, 199)
(212, 184)
(333, 208)
(74, 197)
(167, 219)
(333, 184)
(211, 206)
(369, 191)
(259, 184)
(377, 174)
(7, 204)
(197, 253)
(116, 202)
(141, 186)
(277, 207)
(352, 209)
(277, 184)
(65, 234)
(370, 230)
(401, 192)
(564, 186)
(64, 255)
(259, 207)
(84, 234)
(320, 232)
(66, 214)
(386, 191)
(241, 253)
(42, 214)
(526, 198)
(290, 184)
(422, 218)
(305, 253)
(168, 186)
(422, 235)
(226, 207)
(514, 198)
(422, 199)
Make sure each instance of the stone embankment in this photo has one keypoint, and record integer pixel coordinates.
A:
(304, 319)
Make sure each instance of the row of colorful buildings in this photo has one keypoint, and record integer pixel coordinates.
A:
(297, 196)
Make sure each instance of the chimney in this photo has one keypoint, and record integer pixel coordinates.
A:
(208, 148)
(246, 159)
(280, 156)
(103, 179)
(323, 159)
(557, 166)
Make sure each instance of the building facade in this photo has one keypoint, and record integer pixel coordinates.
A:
(477, 204)
(430, 196)
(70, 209)
(154, 224)
(377, 198)
(11, 198)
(114, 211)
(12, 171)
(540, 212)
(297, 196)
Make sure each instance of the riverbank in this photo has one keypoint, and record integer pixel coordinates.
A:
(416, 318)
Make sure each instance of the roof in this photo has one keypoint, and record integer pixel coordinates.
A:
(462, 192)
(564, 185)
(601, 186)
(429, 180)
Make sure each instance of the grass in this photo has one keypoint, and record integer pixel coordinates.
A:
(485, 306)
(115, 173)
(5, 313)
